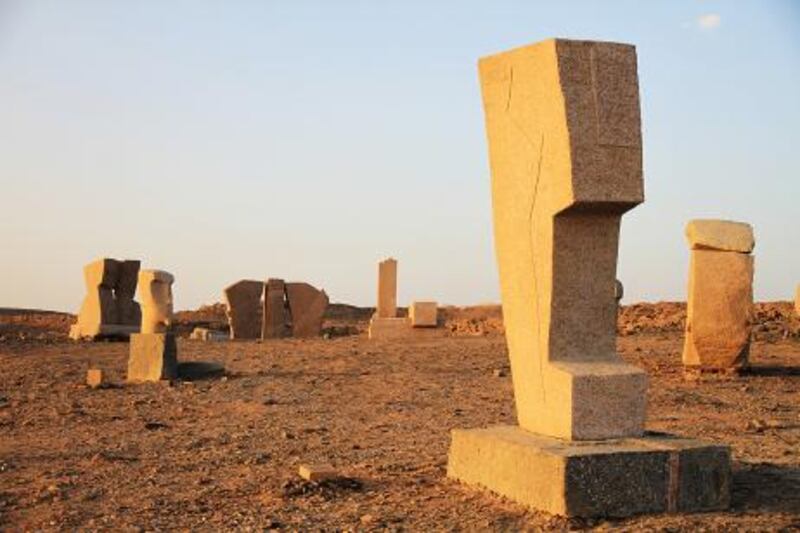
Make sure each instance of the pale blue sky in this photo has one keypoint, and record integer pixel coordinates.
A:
(307, 140)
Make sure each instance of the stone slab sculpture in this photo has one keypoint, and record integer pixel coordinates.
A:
(423, 314)
(153, 352)
(108, 310)
(276, 316)
(244, 308)
(307, 307)
(563, 125)
(720, 299)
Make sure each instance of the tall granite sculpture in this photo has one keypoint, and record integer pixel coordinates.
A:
(720, 302)
(108, 310)
(154, 352)
(276, 316)
(562, 119)
(244, 308)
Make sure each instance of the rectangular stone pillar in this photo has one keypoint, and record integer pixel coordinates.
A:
(562, 121)
(276, 320)
(387, 289)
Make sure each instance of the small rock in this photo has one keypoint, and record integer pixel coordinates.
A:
(94, 378)
(367, 519)
(499, 373)
(317, 473)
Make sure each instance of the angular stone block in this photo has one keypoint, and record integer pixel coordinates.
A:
(615, 478)
(307, 306)
(276, 317)
(722, 235)
(94, 378)
(719, 308)
(244, 308)
(205, 334)
(153, 357)
(317, 473)
(389, 328)
(423, 314)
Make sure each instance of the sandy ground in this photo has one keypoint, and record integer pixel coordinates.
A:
(223, 452)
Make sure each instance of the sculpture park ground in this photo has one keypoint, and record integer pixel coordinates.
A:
(223, 452)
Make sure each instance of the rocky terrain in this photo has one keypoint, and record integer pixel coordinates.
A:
(222, 452)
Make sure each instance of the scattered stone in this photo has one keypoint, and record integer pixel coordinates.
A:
(423, 314)
(317, 473)
(499, 373)
(205, 334)
(94, 378)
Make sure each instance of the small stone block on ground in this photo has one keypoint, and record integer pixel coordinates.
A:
(94, 378)
(423, 314)
(153, 357)
(609, 478)
(317, 473)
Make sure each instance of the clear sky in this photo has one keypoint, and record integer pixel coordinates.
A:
(307, 140)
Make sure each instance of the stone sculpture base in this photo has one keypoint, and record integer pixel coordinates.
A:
(153, 357)
(617, 477)
(78, 331)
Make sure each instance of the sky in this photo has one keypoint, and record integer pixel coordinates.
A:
(307, 140)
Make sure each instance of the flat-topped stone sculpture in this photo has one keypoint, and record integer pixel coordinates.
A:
(562, 120)
(108, 310)
(244, 309)
(154, 352)
(720, 300)
(276, 323)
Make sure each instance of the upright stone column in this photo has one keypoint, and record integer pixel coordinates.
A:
(154, 352)
(562, 120)
(384, 323)
(720, 300)
(244, 308)
(276, 319)
(307, 306)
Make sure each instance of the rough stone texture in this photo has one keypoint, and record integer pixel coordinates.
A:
(153, 357)
(244, 308)
(387, 289)
(307, 306)
(155, 293)
(562, 120)
(389, 328)
(317, 473)
(723, 235)
(618, 477)
(423, 314)
(276, 317)
(94, 378)
(108, 308)
(718, 310)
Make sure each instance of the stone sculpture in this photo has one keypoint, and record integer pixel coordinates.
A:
(244, 308)
(154, 352)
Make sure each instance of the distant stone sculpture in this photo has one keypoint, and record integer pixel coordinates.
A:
(154, 352)
(108, 310)
(307, 307)
(276, 318)
(562, 120)
(720, 299)
(274, 309)
(385, 324)
(244, 309)
(423, 314)
(205, 334)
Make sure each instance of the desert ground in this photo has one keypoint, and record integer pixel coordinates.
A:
(214, 452)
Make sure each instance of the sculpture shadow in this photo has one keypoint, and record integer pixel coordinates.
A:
(200, 370)
(765, 487)
(772, 371)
